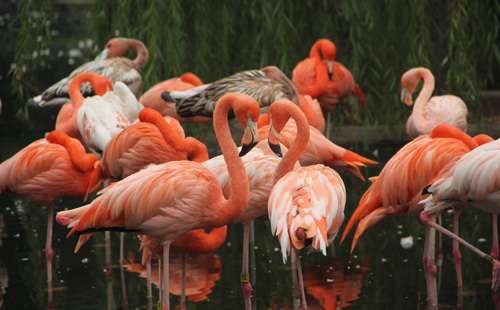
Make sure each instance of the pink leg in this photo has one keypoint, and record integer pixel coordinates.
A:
(457, 256)
(109, 270)
(48, 256)
(165, 293)
(183, 289)
(245, 276)
(440, 256)
(148, 271)
(494, 250)
(295, 282)
(430, 266)
(122, 273)
(301, 281)
(425, 216)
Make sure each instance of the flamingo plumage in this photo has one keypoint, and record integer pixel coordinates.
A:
(427, 111)
(168, 200)
(45, 170)
(107, 63)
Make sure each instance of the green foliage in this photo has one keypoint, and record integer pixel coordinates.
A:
(377, 40)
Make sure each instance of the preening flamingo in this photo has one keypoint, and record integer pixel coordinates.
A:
(472, 180)
(319, 149)
(107, 63)
(398, 188)
(265, 85)
(306, 205)
(101, 117)
(46, 170)
(67, 118)
(168, 200)
(427, 111)
(261, 164)
(152, 98)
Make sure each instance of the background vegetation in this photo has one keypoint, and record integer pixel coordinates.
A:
(377, 40)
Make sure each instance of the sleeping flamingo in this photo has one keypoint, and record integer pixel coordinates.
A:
(324, 78)
(306, 205)
(398, 188)
(319, 149)
(101, 117)
(427, 111)
(152, 98)
(471, 180)
(107, 63)
(265, 85)
(168, 200)
(46, 170)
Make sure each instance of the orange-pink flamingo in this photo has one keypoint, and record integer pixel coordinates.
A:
(46, 170)
(107, 63)
(152, 98)
(427, 111)
(168, 200)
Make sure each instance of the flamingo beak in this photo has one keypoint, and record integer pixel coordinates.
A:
(103, 54)
(250, 137)
(274, 139)
(406, 98)
(329, 67)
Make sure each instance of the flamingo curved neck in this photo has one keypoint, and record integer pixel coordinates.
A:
(421, 123)
(236, 204)
(142, 53)
(81, 160)
(299, 143)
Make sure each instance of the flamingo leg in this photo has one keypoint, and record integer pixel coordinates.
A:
(440, 255)
(457, 256)
(494, 250)
(122, 273)
(183, 288)
(109, 270)
(245, 276)
(165, 284)
(49, 253)
(301, 281)
(148, 271)
(253, 269)
(429, 265)
(295, 282)
(426, 215)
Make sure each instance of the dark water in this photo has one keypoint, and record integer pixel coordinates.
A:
(380, 274)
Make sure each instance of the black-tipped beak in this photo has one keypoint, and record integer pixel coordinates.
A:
(245, 148)
(276, 149)
(165, 95)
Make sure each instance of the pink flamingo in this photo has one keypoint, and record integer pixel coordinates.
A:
(306, 205)
(168, 200)
(152, 98)
(107, 63)
(428, 112)
(312, 110)
(46, 170)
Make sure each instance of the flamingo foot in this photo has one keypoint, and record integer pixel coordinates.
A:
(495, 285)
(247, 294)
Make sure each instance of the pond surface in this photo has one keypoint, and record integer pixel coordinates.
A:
(379, 274)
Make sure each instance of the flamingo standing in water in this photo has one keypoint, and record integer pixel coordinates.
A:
(319, 149)
(472, 180)
(168, 200)
(325, 79)
(46, 170)
(427, 111)
(398, 188)
(306, 205)
(265, 85)
(107, 63)
(101, 117)
(152, 98)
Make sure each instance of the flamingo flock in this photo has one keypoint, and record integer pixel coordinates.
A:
(164, 187)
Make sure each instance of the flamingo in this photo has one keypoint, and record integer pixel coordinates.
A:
(265, 85)
(261, 164)
(319, 149)
(312, 110)
(152, 98)
(107, 63)
(66, 120)
(325, 79)
(471, 180)
(46, 170)
(306, 205)
(428, 112)
(168, 200)
(101, 117)
(398, 188)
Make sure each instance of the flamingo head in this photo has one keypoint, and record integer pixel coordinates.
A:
(247, 111)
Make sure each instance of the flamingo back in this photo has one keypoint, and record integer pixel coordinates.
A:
(312, 198)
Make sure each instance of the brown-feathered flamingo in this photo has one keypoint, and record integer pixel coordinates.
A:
(168, 200)
(107, 63)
